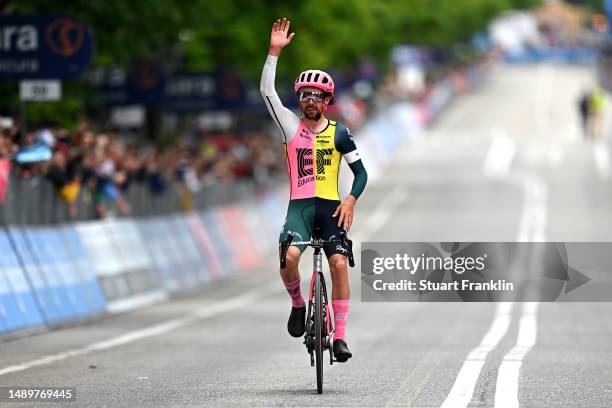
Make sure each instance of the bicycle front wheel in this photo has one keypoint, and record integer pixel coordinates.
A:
(319, 332)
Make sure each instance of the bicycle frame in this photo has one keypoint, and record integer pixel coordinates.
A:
(318, 270)
(319, 339)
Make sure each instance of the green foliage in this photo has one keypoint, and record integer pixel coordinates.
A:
(205, 34)
(202, 35)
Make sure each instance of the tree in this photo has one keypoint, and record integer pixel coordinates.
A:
(203, 35)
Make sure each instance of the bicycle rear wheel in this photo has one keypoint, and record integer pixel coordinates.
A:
(319, 332)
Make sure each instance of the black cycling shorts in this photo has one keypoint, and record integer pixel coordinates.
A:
(306, 214)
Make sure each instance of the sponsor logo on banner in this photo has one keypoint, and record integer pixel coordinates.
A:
(65, 36)
(36, 47)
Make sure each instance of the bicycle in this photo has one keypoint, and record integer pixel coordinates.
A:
(319, 328)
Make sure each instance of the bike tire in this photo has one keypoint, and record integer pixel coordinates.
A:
(319, 333)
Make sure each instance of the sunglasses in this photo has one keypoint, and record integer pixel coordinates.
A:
(311, 96)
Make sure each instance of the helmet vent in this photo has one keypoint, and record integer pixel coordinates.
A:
(325, 80)
(308, 77)
(316, 78)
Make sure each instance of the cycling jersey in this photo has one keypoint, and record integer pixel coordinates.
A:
(313, 159)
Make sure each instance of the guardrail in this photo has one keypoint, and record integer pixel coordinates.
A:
(33, 200)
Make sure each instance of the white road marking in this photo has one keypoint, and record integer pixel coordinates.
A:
(506, 388)
(463, 388)
(500, 155)
(548, 153)
(602, 160)
(140, 334)
(381, 215)
(532, 225)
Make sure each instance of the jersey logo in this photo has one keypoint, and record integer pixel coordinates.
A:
(304, 159)
(305, 134)
(322, 159)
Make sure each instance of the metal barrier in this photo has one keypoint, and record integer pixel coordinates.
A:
(35, 201)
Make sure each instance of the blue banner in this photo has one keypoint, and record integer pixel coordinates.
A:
(93, 292)
(2, 323)
(143, 83)
(63, 297)
(163, 253)
(181, 266)
(192, 258)
(223, 90)
(47, 299)
(10, 312)
(27, 312)
(52, 47)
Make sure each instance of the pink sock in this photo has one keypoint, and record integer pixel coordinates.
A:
(296, 295)
(341, 309)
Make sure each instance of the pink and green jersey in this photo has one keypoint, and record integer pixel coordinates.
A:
(313, 159)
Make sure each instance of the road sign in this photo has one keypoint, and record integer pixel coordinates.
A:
(40, 90)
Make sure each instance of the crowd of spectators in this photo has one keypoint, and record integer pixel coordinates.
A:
(102, 166)
(105, 165)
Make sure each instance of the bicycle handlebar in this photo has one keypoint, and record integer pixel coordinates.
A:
(316, 243)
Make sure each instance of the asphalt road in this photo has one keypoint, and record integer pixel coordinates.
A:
(504, 163)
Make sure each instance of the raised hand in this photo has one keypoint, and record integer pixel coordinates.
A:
(280, 37)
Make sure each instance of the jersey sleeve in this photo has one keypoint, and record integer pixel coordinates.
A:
(286, 120)
(345, 144)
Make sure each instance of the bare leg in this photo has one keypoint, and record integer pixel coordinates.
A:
(338, 266)
(291, 272)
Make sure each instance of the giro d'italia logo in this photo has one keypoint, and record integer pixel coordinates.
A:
(65, 36)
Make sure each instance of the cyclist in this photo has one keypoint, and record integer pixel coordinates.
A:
(314, 146)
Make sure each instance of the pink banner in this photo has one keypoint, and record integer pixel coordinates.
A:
(204, 244)
(235, 226)
(5, 167)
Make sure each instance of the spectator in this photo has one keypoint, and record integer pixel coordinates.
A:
(101, 167)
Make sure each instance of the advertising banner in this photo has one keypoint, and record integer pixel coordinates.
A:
(17, 284)
(234, 226)
(142, 84)
(222, 243)
(89, 282)
(46, 297)
(33, 47)
(139, 282)
(186, 243)
(43, 251)
(165, 257)
(104, 260)
(204, 244)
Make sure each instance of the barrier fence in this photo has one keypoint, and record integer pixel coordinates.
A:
(33, 200)
(53, 274)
